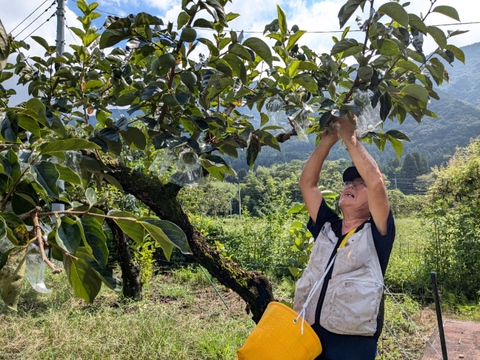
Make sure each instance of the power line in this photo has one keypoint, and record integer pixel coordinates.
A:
(38, 27)
(26, 27)
(28, 16)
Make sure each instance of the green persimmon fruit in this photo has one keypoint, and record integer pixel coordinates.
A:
(167, 60)
(169, 100)
(188, 78)
(188, 34)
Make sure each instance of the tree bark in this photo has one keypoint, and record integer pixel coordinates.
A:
(252, 287)
(132, 286)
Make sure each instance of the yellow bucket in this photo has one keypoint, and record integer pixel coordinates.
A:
(278, 336)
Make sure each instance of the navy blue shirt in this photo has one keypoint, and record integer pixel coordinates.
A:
(352, 347)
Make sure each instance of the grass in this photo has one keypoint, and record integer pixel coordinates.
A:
(180, 317)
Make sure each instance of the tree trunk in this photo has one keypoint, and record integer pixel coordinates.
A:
(252, 287)
(132, 286)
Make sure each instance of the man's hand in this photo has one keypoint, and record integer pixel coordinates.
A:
(346, 127)
(330, 136)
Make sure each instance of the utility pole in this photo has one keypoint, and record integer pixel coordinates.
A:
(60, 40)
(60, 26)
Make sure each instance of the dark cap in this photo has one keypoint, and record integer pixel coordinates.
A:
(351, 174)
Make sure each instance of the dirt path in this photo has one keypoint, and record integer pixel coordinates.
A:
(462, 340)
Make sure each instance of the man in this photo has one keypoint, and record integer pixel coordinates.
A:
(346, 311)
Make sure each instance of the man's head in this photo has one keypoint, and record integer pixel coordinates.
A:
(354, 195)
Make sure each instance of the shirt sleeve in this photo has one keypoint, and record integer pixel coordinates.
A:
(325, 214)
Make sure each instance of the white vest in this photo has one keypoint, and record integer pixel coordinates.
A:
(355, 290)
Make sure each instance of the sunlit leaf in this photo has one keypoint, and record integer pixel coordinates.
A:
(396, 12)
(66, 145)
(160, 237)
(438, 35)
(448, 11)
(216, 166)
(260, 48)
(282, 21)
(174, 233)
(128, 223)
(416, 91)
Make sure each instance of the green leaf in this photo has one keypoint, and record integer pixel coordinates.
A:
(26, 120)
(91, 196)
(159, 236)
(216, 166)
(292, 40)
(307, 81)
(398, 135)
(237, 66)
(46, 175)
(111, 180)
(11, 276)
(457, 52)
(17, 232)
(134, 136)
(95, 238)
(408, 65)
(106, 275)
(127, 98)
(66, 145)
(9, 127)
(397, 146)
(42, 42)
(129, 225)
(35, 106)
(448, 11)
(417, 92)
(240, 51)
(385, 105)
(417, 23)
(68, 235)
(112, 37)
(182, 19)
(282, 21)
(222, 66)
(84, 280)
(4, 47)
(346, 47)
(253, 150)
(260, 48)
(438, 35)
(387, 47)
(3, 229)
(347, 10)
(396, 12)
(174, 233)
(68, 175)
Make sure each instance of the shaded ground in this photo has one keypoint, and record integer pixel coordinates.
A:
(462, 340)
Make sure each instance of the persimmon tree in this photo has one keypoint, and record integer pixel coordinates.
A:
(189, 97)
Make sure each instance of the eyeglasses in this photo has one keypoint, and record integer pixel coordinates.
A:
(355, 183)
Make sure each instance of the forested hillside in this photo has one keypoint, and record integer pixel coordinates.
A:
(458, 121)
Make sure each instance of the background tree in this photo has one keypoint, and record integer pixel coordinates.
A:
(194, 109)
(454, 212)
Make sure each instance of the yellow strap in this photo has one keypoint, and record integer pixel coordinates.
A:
(344, 241)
